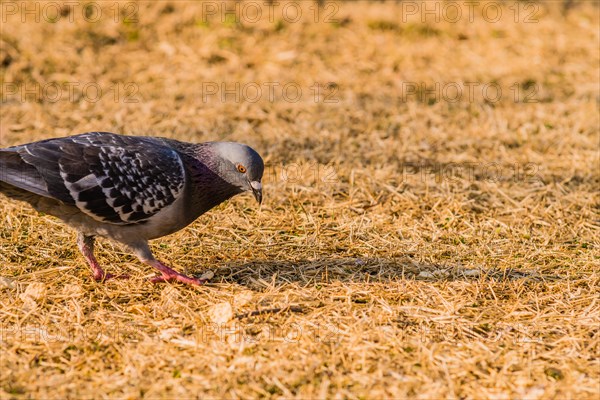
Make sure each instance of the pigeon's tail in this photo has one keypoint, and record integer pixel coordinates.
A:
(15, 172)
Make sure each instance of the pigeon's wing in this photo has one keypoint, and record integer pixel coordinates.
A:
(112, 178)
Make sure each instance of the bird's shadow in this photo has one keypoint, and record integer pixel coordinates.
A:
(259, 275)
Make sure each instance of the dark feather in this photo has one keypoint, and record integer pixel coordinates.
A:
(16, 172)
(112, 178)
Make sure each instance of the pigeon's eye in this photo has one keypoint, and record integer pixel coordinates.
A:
(241, 168)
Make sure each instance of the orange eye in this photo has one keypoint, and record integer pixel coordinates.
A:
(241, 168)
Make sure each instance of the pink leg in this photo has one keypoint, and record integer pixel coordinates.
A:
(170, 275)
(86, 246)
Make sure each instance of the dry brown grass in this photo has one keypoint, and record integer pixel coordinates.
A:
(443, 250)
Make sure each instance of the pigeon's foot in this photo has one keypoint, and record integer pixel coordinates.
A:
(177, 277)
(101, 276)
(170, 275)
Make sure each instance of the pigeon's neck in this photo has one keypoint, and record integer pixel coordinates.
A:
(207, 188)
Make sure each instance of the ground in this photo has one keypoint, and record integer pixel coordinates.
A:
(431, 215)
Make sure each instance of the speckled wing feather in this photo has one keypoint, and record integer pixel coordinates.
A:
(112, 178)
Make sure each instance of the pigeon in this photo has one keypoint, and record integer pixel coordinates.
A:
(129, 189)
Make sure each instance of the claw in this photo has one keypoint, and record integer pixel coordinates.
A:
(101, 276)
(178, 278)
(170, 275)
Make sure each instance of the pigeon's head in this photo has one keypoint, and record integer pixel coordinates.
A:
(241, 166)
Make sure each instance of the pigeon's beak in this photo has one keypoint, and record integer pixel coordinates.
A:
(257, 190)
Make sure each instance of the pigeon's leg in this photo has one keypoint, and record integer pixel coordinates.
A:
(167, 274)
(86, 246)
